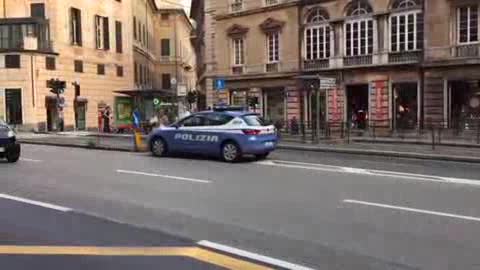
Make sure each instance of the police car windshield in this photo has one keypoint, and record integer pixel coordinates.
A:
(255, 120)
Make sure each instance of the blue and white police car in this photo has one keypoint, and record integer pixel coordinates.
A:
(225, 134)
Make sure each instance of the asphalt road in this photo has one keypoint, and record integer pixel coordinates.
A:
(323, 211)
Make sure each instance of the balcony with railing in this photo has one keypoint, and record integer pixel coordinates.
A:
(270, 68)
(316, 64)
(468, 50)
(361, 60)
(271, 2)
(404, 57)
(25, 34)
(236, 6)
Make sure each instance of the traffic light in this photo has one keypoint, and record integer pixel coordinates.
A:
(56, 86)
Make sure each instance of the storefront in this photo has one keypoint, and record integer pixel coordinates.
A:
(150, 104)
(405, 105)
(464, 104)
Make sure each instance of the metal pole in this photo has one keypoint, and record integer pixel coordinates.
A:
(478, 132)
(317, 120)
(349, 125)
(433, 138)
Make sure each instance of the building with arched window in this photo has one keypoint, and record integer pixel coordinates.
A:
(373, 50)
(397, 64)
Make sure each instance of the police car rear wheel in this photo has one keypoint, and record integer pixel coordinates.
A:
(230, 152)
(159, 148)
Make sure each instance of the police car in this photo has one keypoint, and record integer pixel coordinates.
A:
(225, 134)
(9, 147)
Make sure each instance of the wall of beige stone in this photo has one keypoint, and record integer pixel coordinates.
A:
(96, 88)
(255, 39)
(182, 53)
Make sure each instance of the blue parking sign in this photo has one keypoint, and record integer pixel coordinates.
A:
(220, 84)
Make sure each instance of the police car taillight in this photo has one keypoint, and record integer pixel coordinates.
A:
(251, 131)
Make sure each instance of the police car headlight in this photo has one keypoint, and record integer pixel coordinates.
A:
(11, 134)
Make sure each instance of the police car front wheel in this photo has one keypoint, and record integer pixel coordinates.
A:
(231, 152)
(159, 148)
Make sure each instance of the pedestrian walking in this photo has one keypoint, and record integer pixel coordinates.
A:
(106, 119)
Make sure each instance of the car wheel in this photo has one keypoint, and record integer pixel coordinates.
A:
(13, 156)
(159, 147)
(231, 152)
(262, 156)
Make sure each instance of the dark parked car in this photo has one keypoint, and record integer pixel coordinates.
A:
(9, 147)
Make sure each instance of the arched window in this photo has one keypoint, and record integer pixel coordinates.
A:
(404, 4)
(359, 30)
(316, 15)
(317, 35)
(406, 26)
(358, 8)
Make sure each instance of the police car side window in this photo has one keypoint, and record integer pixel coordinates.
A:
(193, 121)
(217, 119)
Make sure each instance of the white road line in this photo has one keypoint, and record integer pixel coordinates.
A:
(36, 203)
(166, 176)
(414, 210)
(350, 170)
(31, 160)
(252, 256)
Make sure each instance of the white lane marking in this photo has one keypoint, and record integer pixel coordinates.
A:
(390, 174)
(31, 160)
(414, 210)
(166, 176)
(36, 203)
(253, 256)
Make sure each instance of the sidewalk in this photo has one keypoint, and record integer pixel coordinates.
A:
(379, 147)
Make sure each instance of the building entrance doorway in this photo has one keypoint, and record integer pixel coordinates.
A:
(13, 102)
(80, 115)
(315, 111)
(405, 105)
(274, 106)
(357, 105)
(52, 113)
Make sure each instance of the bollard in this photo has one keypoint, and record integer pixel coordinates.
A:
(373, 131)
(439, 136)
(433, 138)
(138, 144)
(348, 132)
(304, 138)
(478, 132)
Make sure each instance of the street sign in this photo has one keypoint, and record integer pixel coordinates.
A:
(327, 83)
(173, 81)
(219, 84)
(182, 90)
(156, 101)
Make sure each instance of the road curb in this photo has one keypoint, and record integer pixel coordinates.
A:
(381, 153)
(295, 148)
(81, 146)
(459, 145)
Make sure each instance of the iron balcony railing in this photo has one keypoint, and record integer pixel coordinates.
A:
(405, 57)
(470, 50)
(25, 34)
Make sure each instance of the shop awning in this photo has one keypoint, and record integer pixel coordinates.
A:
(147, 93)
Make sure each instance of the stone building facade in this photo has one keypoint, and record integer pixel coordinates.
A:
(176, 54)
(452, 64)
(108, 52)
(398, 64)
(85, 43)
